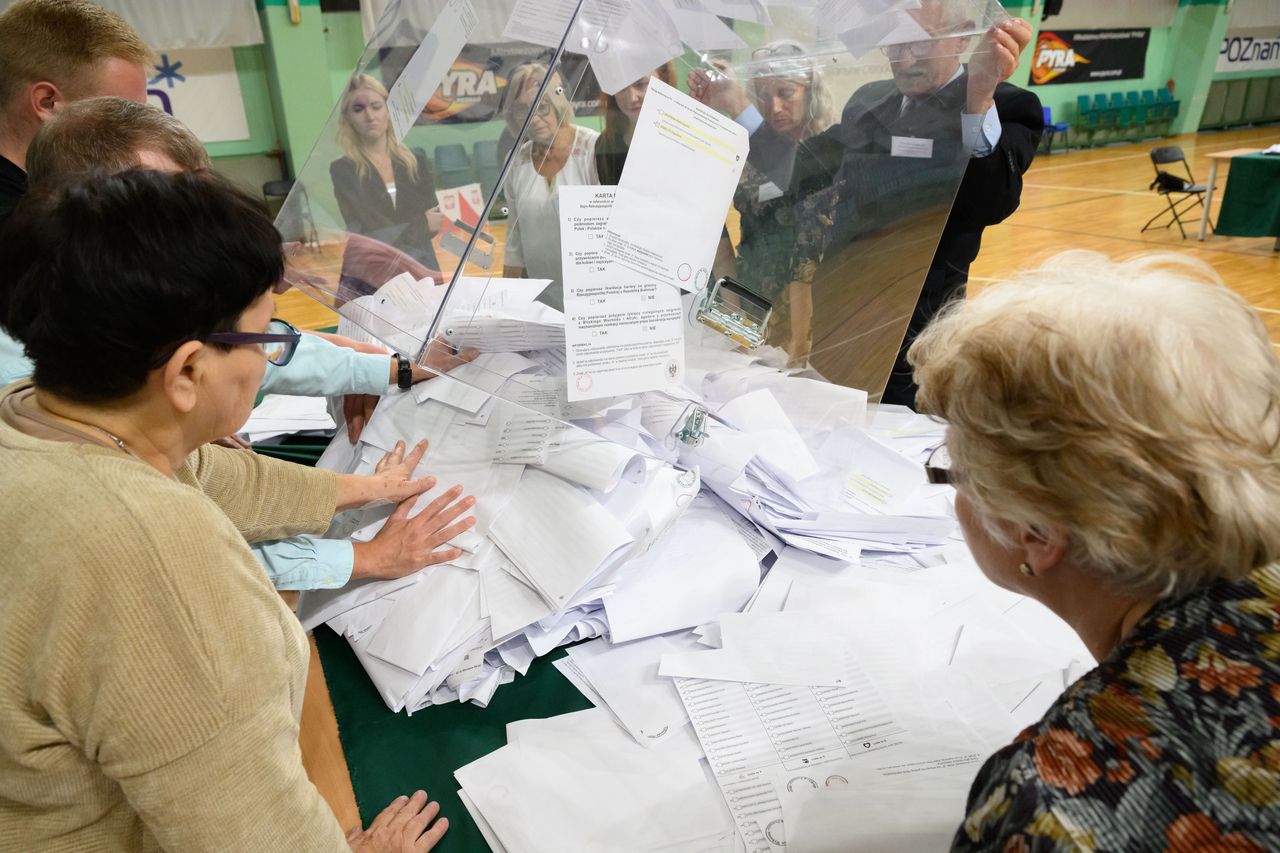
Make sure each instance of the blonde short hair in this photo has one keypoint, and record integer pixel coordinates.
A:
(1135, 405)
(61, 41)
(109, 133)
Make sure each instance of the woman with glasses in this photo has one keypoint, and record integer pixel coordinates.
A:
(1114, 441)
(150, 676)
(383, 188)
(620, 113)
(556, 153)
(783, 230)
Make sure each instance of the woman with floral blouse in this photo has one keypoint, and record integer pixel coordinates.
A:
(1114, 440)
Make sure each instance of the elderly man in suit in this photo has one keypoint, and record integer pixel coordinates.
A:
(895, 159)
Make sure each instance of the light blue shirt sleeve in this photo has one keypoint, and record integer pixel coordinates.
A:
(323, 369)
(305, 562)
(750, 118)
(983, 129)
(14, 364)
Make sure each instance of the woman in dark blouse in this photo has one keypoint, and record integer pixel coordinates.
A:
(620, 112)
(1114, 441)
(383, 188)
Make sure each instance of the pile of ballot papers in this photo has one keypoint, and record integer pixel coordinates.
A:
(845, 707)
(593, 518)
(280, 415)
(786, 637)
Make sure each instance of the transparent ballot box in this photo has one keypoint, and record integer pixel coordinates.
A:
(663, 256)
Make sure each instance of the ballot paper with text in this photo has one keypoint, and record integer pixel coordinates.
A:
(623, 328)
(682, 169)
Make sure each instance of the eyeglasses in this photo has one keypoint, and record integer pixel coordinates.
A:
(279, 341)
(917, 49)
(786, 48)
(938, 467)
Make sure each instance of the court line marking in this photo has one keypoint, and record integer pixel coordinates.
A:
(1199, 247)
(1102, 190)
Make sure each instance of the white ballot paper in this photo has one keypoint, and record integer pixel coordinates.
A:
(682, 168)
(426, 68)
(540, 21)
(760, 738)
(623, 41)
(623, 329)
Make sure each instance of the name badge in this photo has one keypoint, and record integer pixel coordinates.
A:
(912, 146)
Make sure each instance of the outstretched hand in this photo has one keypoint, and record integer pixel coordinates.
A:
(405, 545)
(405, 826)
(391, 481)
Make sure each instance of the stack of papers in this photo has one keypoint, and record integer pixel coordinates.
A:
(593, 519)
(279, 415)
(579, 782)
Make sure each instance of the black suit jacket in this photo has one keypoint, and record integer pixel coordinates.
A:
(899, 222)
(876, 189)
(367, 208)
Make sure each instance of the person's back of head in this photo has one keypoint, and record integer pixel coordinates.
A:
(55, 51)
(111, 134)
(104, 276)
(1135, 404)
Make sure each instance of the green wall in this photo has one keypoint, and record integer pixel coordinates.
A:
(292, 82)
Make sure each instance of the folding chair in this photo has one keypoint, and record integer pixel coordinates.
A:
(1052, 129)
(1180, 201)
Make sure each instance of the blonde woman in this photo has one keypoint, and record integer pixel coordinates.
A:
(782, 233)
(384, 189)
(1114, 442)
(556, 153)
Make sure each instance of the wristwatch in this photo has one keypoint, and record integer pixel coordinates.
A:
(404, 371)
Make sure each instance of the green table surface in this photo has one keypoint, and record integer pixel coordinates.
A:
(390, 754)
(1251, 200)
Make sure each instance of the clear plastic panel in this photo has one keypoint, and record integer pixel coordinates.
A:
(443, 174)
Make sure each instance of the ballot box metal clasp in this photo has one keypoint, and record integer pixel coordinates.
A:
(692, 426)
(739, 314)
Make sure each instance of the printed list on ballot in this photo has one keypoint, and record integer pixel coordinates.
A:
(623, 329)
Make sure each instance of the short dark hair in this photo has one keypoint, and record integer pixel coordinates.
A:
(103, 276)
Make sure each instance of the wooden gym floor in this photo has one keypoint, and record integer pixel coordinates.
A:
(1089, 199)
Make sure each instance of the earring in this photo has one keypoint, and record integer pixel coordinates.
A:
(1026, 569)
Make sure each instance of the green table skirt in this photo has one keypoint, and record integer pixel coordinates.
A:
(391, 754)
(1251, 200)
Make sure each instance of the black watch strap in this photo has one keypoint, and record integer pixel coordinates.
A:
(404, 372)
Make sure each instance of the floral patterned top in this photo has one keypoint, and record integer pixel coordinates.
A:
(1172, 743)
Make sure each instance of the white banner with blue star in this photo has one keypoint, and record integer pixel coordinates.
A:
(202, 90)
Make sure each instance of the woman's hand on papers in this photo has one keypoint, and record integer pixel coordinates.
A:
(391, 481)
(404, 545)
(402, 827)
